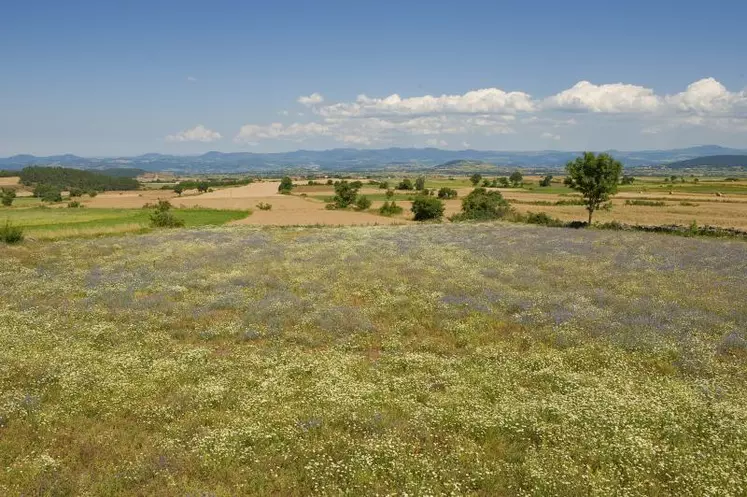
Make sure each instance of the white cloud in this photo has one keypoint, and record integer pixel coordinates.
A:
(313, 99)
(550, 136)
(191, 79)
(610, 98)
(466, 145)
(434, 142)
(197, 134)
(485, 101)
(709, 97)
(283, 113)
(296, 131)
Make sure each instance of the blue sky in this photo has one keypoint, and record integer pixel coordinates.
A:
(121, 78)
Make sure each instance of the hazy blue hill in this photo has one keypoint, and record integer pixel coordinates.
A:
(737, 161)
(351, 159)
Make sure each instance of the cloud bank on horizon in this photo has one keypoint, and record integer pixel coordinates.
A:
(371, 121)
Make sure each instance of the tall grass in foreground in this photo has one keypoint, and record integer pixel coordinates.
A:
(496, 359)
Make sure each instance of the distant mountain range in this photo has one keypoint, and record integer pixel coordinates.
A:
(716, 161)
(346, 159)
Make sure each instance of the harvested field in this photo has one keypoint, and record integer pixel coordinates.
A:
(9, 181)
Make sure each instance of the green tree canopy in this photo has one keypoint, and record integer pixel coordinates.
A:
(595, 177)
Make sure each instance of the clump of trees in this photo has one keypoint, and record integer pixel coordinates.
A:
(47, 193)
(546, 181)
(483, 205)
(627, 180)
(286, 185)
(162, 217)
(406, 184)
(7, 196)
(426, 208)
(390, 209)
(595, 177)
(447, 193)
(516, 179)
(63, 178)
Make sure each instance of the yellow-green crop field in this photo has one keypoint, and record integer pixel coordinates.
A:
(461, 359)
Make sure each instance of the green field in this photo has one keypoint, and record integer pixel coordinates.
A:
(60, 222)
(471, 359)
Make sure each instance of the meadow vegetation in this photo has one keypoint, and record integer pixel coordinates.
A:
(479, 359)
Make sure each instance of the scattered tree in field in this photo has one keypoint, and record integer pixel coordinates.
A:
(384, 185)
(486, 183)
(483, 205)
(503, 182)
(362, 203)
(447, 193)
(426, 208)
(330, 182)
(516, 178)
(162, 217)
(356, 184)
(179, 189)
(286, 185)
(345, 194)
(390, 209)
(546, 181)
(595, 177)
(7, 196)
(475, 179)
(406, 184)
(76, 192)
(389, 193)
(420, 183)
(203, 186)
(627, 180)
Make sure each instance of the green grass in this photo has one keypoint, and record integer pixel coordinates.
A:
(54, 222)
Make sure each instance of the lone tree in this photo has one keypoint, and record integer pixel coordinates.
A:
(420, 183)
(595, 177)
(286, 185)
(516, 178)
(179, 189)
(7, 196)
(475, 179)
(425, 208)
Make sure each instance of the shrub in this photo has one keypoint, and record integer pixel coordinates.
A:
(389, 193)
(503, 182)
(481, 204)
(447, 193)
(286, 185)
(345, 194)
(74, 205)
(420, 183)
(203, 186)
(179, 189)
(330, 182)
(405, 184)
(543, 219)
(362, 203)
(7, 196)
(649, 203)
(426, 208)
(627, 180)
(162, 217)
(390, 209)
(92, 193)
(546, 181)
(264, 206)
(475, 179)
(384, 185)
(11, 234)
(76, 192)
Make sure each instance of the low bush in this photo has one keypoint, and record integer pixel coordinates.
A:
(647, 203)
(544, 219)
(390, 209)
(7, 196)
(427, 208)
(74, 205)
(483, 205)
(11, 234)
(447, 193)
(362, 203)
(264, 206)
(162, 217)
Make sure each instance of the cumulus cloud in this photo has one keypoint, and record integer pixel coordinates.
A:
(485, 101)
(494, 111)
(610, 98)
(197, 134)
(313, 99)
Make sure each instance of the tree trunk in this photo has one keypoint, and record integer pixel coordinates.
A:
(591, 211)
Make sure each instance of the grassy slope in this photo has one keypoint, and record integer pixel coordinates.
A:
(483, 359)
(49, 223)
